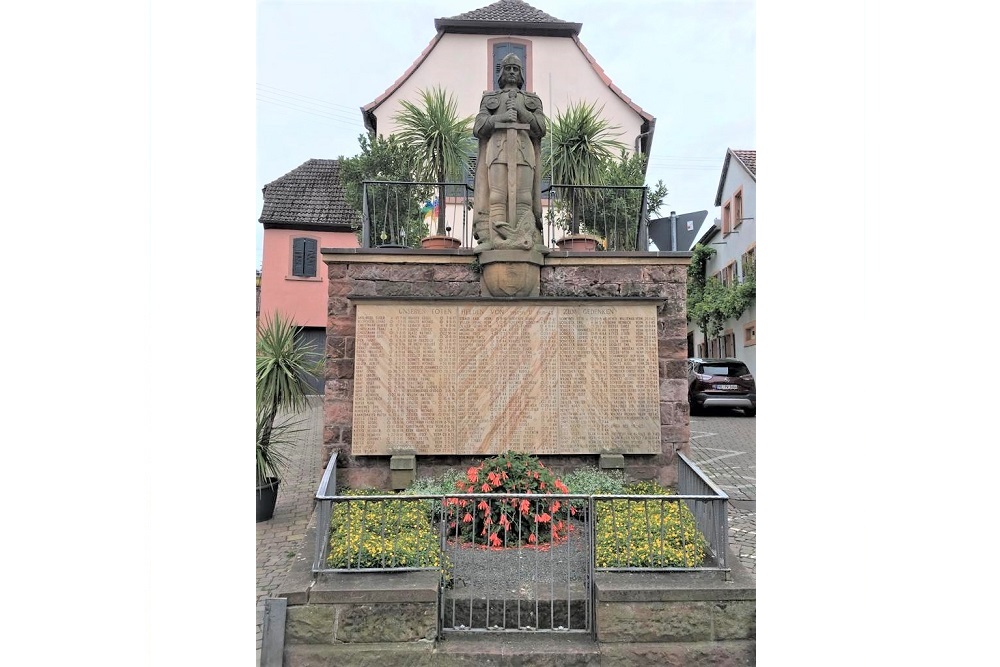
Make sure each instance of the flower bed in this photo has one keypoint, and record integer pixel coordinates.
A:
(647, 531)
(382, 534)
(508, 522)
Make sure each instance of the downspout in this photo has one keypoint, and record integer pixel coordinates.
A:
(638, 140)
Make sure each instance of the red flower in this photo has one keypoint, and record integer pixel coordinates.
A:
(483, 505)
(494, 478)
(562, 487)
(525, 506)
(472, 474)
(504, 521)
(555, 506)
(541, 485)
(494, 540)
(486, 488)
(543, 518)
(467, 518)
(531, 538)
(488, 520)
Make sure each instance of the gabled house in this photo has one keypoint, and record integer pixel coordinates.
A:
(734, 237)
(464, 56)
(303, 211)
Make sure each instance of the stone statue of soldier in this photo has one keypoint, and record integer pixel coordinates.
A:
(508, 203)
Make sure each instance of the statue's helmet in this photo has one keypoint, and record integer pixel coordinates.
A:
(511, 59)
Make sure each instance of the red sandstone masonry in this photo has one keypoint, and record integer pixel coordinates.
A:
(448, 279)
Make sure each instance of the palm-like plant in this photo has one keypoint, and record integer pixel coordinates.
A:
(441, 139)
(284, 364)
(580, 140)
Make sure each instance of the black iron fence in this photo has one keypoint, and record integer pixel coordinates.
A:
(397, 214)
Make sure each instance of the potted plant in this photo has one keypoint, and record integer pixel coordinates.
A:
(580, 141)
(284, 365)
(441, 142)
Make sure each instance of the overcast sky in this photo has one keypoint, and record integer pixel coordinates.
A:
(689, 63)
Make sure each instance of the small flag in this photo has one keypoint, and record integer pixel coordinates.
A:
(430, 209)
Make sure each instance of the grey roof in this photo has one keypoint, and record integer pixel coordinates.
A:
(749, 161)
(310, 195)
(508, 10)
(506, 14)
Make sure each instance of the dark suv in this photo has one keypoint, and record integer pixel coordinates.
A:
(723, 383)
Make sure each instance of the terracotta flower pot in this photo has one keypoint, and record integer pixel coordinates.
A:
(578, 243)
(440, 242)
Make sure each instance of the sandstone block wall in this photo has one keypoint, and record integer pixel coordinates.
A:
(454, 274)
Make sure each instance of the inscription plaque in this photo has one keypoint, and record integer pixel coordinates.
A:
(479, 379)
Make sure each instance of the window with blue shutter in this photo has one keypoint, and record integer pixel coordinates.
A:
(304, 257)
(500, 50)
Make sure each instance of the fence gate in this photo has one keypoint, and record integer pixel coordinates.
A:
(517, 563)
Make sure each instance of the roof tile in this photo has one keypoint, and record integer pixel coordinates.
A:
(749, 158)
(508, 10)
(310, 194)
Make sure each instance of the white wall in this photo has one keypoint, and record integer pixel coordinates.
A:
(731, 247)
(560, 73)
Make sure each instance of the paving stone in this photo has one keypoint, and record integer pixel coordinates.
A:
(293, 513)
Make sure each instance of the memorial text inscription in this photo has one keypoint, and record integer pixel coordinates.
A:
(477, 379)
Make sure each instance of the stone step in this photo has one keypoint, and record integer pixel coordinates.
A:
(529, 650)
(533, 650)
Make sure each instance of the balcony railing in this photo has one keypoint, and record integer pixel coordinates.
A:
(396, 214)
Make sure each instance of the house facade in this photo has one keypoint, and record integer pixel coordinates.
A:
(463, 57)
(304, 210)
(734, 238)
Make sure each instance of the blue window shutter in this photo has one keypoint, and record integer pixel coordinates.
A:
(304, 257)
(500, 51)
(298, 256)
(309, 261)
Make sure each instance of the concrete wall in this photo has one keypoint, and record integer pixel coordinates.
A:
(451, 274)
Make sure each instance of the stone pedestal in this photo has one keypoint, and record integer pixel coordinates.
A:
(509, 273)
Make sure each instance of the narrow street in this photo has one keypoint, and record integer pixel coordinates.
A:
(724, 446)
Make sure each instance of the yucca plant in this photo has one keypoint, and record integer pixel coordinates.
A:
(284, 365)
(579, 141)
(441, 140)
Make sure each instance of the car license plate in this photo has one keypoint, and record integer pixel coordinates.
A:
(726, 387)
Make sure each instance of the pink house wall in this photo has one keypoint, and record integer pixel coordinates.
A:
(302, 299)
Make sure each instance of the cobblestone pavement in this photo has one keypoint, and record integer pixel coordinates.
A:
(280, 540)
(724, 446)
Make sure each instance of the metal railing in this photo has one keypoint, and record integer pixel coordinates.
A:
(517, 563)
(707, 503)
(522, 562)
(616, 214)
(393, 212)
